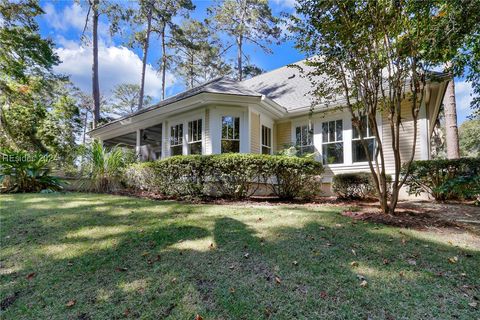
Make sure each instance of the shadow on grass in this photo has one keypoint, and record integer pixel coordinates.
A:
(163, 264)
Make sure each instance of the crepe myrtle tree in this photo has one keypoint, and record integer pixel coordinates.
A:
(372, 53)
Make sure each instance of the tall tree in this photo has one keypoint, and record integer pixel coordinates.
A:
(198, 53)
(26, 61)
(164, 25)
(94, 9)
(149, 17)
(139, 18)
(451, 129)
(245, 21)
(125, 99)
(369, 50)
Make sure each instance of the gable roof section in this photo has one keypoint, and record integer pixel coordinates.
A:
(220, 85)
(286, 86)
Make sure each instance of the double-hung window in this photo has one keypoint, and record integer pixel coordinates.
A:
(230, 134)
(358, 152)
(195, 137)
(304, 139)
(176, 140)
(266, 140)
(332, 142)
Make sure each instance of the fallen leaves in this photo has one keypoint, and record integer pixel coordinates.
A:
(354, 264)
(412, 262)
(30, 276)
(364, 284)
(278, 280)
(121, 269)
(70, 303)
(323, 294)
(198, 317)
(453, 259)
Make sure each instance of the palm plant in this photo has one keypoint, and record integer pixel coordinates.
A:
(21, 171)
(104, 167)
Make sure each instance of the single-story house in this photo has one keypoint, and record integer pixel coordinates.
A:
(264, 114)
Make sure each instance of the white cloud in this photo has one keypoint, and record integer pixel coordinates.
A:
(463, 95)
(116, 65)
(285, 3)
(73, 17)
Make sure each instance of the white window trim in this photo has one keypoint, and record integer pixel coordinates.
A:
(267, 122)
(364, 138)
(216, 114)
(294, 133)
(261, 139)
(333, 142)
(170, 137)
(184, 120)
(231, 139)
(196, 141)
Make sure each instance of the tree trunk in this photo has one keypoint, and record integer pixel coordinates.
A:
(164, 60)
(85, 124)
(453, 151)
(95, 84)
(239, 58)
(191, 71)
(144, 59)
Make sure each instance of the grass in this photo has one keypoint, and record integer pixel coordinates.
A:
(84, 256)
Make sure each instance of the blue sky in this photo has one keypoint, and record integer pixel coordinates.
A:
(64, 22)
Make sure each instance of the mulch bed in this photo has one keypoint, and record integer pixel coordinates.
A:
(410, 214)
(404, 219)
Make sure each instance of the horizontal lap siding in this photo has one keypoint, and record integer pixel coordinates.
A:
(406, 138)
(254, 133)
(208, 143)
(283, 135)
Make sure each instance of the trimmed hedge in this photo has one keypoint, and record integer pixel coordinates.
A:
(359, 185)
(445, 179)
(232, 175)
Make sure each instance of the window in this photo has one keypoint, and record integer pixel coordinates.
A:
(266, 140)
(358, 152)
(195, 137)
(332, 142)
(176, 140)
(304, 139)
(230, 134)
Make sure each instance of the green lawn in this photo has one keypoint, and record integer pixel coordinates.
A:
(119, 257)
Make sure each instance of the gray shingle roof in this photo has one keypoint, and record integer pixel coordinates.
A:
(286, 86)
(220, 85)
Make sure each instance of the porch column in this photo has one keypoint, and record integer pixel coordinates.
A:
(138, 143)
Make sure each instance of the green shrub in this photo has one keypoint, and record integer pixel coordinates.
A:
(234, 176)
(21, 171)
(358, 185)
(295, 177)
(445, 179)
